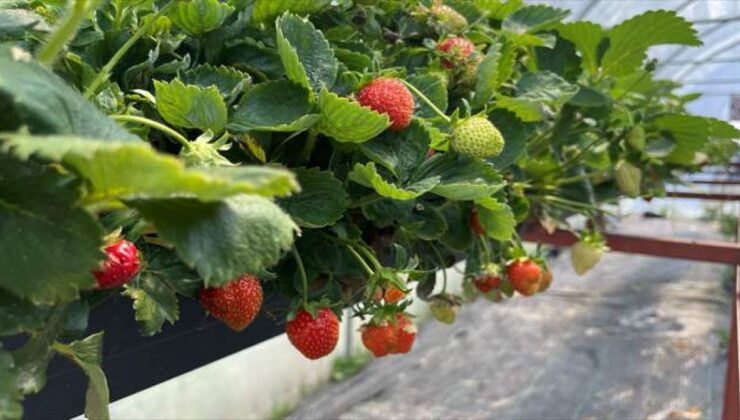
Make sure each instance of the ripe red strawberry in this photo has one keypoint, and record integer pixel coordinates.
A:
(524, 275)
(405, 332)
(378, 338)
(314, 337)
(390, 97)
(487, 282)
(475, 223)
(122, 264)
(459, 49)
(236, 304)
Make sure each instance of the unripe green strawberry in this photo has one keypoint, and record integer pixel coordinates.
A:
(629, 178)
(444, 308)
(585, 255)
(448, 18)
(636, 137)
(477, 137)
(468, 76)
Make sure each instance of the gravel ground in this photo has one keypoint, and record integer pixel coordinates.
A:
(636, 338)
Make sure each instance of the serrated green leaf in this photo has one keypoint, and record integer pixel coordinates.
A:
(190, 106)
(164, 265)
(19, 315)
(198, 17)
(690, 134)
(37, 228)
(149, 175)
(273, 106)
(368, 176)
(10, 397)
(321, 202)
(458, 234)
(590, 97)
(586, 36)
(88, 355)
(499, 9)
(516, 134)
(347, 121)
(225, 239)
(629, 41)
(531, 19)
(493, 71)
(496, 218)
(33, 96)
(266, 10)
(307, 57)
(427, 223)
(460, 178)
(525, 109)
(154, 303)
(545, 86)
(434, 87)
(227, 80)
(399, 152)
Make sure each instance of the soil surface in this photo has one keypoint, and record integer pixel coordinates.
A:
(636, 338)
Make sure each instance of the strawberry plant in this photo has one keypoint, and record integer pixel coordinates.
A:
(336, 153)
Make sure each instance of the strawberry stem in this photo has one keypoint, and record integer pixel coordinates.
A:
(105, 71)
(302, 272)
(155, 125)
(426, 100)
(360, 260)
(59, 38)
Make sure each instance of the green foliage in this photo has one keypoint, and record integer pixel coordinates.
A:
(246, 141)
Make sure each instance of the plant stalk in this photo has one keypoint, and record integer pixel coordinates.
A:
(302, 272)
(155, 125)
(426, 100)
(54, 45)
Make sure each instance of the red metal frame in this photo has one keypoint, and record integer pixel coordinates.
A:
(715, 181)
(731, 406)
(689, 249)
(704, 196)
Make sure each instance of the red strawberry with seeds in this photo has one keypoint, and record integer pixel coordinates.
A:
(236, 304)
(405, 332)
(524, 275)
(378, 338)
(546, 280)
(122, 264)
(314, 337)
(390, 97)
(458, 48)
(487, 282)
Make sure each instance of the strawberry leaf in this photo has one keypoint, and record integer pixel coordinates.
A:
(586, 36)
(10, 397)
(499, 9)
(227, 80)
(493, 71)
(273, 106)
(148, 173)
(434, 87)
(190, 106)
(630, 40)
(460, 178)
(368, 176)
(496, 218)
(88, 355)
(225, 239)
(266, 10)
(31, 95)
(38, 263)
(347, 121)
(400, 152)
(197, 17)
(690, 133)
(19, 315)
(306, 55)
(531, 19)
(321, 202)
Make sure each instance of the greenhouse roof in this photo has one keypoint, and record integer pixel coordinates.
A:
(712, 69)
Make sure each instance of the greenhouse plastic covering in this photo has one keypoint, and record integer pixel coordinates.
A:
(712, 69)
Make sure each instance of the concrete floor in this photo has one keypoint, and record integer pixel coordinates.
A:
(637, 337)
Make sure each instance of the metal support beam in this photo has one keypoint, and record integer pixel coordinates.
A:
(585, 11)
(688, 249)
(714, 181)
(714, 61)
(704, 196)
(731, 406)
